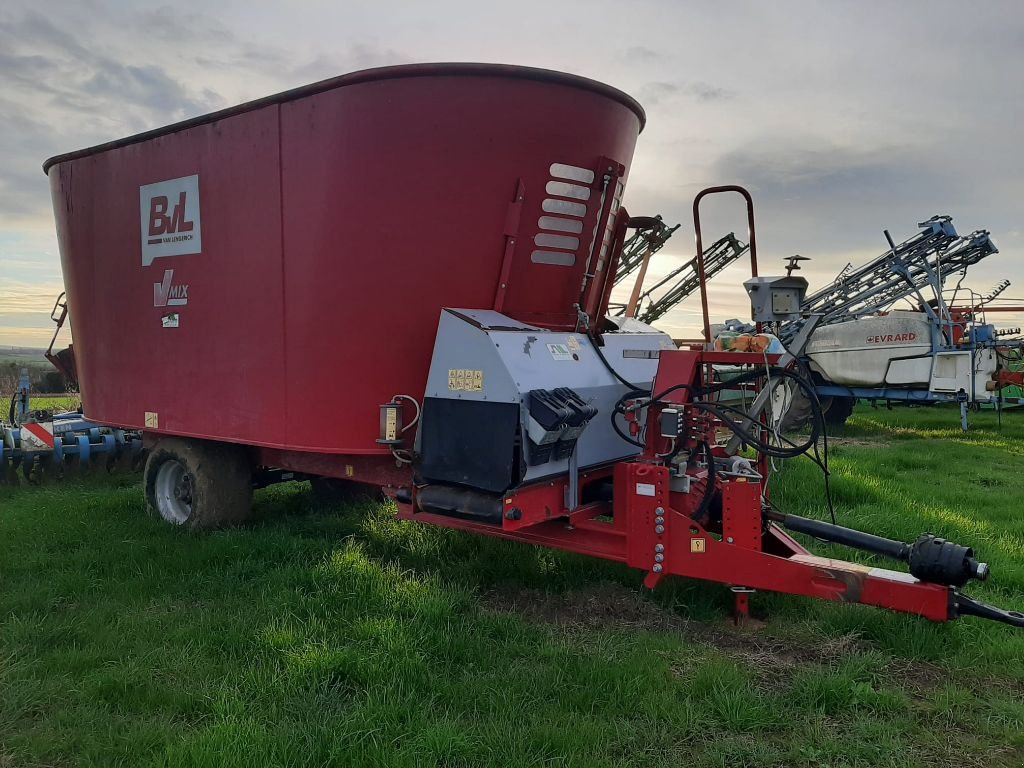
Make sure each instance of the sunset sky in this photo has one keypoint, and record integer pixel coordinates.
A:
(843, 118)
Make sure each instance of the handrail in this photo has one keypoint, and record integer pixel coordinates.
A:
(751, 240)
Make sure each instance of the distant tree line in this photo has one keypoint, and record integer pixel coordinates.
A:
(42, 378)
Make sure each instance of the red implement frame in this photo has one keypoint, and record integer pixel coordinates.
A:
(652, 527)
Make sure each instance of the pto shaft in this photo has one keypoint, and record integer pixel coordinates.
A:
(930, 558)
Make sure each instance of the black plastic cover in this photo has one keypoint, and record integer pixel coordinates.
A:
(469, 443)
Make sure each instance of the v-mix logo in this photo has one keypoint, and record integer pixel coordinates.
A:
(167, 294)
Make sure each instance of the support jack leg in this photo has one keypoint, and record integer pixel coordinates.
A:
(742, 613)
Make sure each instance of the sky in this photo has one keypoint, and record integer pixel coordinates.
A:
(842, 118)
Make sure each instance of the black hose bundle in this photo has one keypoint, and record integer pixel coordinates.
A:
(739, 422)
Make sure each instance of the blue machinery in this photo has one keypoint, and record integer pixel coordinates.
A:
(40, 443)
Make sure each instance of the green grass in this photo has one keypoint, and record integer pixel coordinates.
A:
(55, 402)
(342, 637)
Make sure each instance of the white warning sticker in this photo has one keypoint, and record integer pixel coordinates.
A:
(645, 489)
(560, 352)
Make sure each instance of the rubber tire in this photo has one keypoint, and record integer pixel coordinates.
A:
(799, 413)
(839, 411)
(221, 481)
(333, 491)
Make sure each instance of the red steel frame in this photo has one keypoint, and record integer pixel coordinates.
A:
(650, 527)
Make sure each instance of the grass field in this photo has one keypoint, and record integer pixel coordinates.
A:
(341, 637)
(52, 402)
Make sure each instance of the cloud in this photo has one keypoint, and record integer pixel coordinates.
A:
(354, 57)
(26, 139)
(175, 25)
(656, 93)
(807, 166)
(149, 87)
(642, 54)
(819, 197)
(705, 92)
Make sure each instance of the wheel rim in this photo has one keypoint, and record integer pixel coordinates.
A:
(173, 491)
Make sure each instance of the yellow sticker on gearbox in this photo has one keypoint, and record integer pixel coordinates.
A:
(465, 380)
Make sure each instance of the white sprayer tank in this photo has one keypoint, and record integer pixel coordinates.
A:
(872, 351)
(894, 350)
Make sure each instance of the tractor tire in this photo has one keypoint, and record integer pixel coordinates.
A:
(333, 491)
(839, 410)
(197, 484)
(799, 413)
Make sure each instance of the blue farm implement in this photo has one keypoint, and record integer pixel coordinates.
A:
(39, 444)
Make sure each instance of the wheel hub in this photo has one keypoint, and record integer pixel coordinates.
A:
(173, 492)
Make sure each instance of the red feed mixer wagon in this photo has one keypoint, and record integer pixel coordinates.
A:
(399, 278)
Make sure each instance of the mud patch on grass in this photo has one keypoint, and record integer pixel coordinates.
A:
(772, 659)
(603, 606)
(775, 659)
(838, 441)
(919, 679)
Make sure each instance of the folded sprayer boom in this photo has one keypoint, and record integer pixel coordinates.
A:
(904, 271)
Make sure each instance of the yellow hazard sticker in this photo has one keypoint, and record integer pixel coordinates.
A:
(152, 420)
(465, 380)
(697, 546)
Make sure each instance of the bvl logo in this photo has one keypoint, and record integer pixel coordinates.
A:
(169, 214)
(167, 294)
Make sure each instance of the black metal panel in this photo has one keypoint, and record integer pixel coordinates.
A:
(468, 442)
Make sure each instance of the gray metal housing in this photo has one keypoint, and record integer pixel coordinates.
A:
(515, 358)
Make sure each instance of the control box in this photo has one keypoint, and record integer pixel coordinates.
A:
(775, 299)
